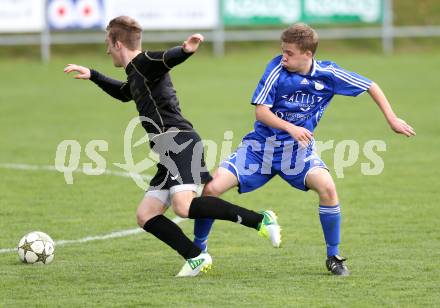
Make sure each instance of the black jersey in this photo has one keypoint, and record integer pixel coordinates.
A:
(149, 85)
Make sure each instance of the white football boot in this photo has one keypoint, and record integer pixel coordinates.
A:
(192, 267)
(269, 228)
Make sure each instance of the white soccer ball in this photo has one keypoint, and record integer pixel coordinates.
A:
(36, 247)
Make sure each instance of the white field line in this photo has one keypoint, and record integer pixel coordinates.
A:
(103, 237)
(52, 168)
(115, 234)
(5, 250)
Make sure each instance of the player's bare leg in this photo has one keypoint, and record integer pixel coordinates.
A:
(148, 208)
(222, 181)
(320, 180)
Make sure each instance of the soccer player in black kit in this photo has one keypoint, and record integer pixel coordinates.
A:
(174, 139)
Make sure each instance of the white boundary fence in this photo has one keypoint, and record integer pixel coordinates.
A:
(218, 35)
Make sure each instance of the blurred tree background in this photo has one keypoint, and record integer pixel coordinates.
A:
(416, 12)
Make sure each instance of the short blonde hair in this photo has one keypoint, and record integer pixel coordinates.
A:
(126, 30)
(304, 36)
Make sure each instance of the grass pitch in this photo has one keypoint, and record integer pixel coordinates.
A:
(390, 221)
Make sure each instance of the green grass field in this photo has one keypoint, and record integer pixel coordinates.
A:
(390, 221)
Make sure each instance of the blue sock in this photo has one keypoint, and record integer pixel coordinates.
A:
(330, 217)
(202, 226)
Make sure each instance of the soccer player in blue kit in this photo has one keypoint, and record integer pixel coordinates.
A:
(290, 99)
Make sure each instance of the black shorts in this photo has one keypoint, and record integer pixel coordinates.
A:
(181, 160)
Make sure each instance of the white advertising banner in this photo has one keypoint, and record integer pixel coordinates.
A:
(344, 10)
(75, 14)
(166, 14)
(21, 15)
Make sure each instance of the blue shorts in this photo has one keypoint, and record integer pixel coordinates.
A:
(255, 162)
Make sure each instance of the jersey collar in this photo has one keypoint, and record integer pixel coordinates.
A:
(135, 61)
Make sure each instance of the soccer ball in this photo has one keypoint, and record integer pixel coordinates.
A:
(36, 247)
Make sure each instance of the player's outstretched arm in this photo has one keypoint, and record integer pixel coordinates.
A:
(157, 63)
(192, 43)
(300, 134)
(83, 72)
(396, 124)
(117, 89)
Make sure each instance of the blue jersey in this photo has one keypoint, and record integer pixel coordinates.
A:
(302, 99)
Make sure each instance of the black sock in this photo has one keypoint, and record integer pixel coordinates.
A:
(213, 207)
(170, 233)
